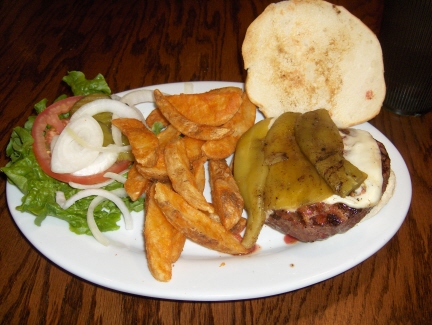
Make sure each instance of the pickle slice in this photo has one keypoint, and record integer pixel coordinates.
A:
(319, 139)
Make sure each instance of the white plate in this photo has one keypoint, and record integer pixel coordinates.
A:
(204, 275)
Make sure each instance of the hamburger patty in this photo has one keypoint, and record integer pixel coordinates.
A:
(319, 221)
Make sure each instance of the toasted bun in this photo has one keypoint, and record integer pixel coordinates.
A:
(303, 55)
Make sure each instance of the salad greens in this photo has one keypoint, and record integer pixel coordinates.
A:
(39, 189)
(81, 86)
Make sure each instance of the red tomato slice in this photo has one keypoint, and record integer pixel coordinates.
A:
(50, 117)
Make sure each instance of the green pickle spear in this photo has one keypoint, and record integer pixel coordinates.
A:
(320, 141)
(250, 173)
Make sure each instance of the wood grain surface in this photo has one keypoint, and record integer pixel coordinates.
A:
(140, 43)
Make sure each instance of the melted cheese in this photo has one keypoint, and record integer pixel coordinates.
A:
(361, 149)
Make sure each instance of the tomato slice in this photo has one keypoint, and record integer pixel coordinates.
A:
(50, 117)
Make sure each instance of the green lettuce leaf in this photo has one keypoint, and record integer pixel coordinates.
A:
(81, 86)
(40, 190)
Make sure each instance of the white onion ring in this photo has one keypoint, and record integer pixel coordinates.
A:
(60, 198)
(138, 96)
(97, 185)
(97, 234)
(108, 105)
(86, 187)
(108, 148)
(116, 133)
(103, 161)
(106, 194)
(68, 155)
(115, 176)
(115, 97)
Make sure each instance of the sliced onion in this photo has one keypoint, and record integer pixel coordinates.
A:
(97, 234)
(68, 156)
(138, 96)
(84, 187)
(120, 192)
(60, 198)
(115, 97)
(103, 161)
(106, 194)
(108, 105)
(116, 133)
(117, 177)
(109, 148)
(98, 185)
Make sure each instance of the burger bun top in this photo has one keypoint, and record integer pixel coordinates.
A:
(302, 55)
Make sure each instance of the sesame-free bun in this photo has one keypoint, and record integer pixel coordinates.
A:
(302, 55)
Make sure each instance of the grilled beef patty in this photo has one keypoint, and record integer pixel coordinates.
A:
(319, 221)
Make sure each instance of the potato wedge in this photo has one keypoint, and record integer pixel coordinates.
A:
(240, 123)
(163, 242)
(194, 224)
(227, 200)
(186, 126)
(193, 148)
(239, 227)
(144, 143)
(135, 184)
(157, 172)
(214, 107)
(167, 135)
(198, 170)
(182, 179)
(178, 241)
(156, 116)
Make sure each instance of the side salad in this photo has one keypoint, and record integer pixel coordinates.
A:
(31, 151)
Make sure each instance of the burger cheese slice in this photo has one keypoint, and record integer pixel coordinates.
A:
(314, 70)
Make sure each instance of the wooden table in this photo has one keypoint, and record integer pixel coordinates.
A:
(140, 43)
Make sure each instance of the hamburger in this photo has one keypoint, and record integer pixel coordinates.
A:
(309, 59)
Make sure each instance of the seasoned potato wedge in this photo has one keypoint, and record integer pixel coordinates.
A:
(198, 170)
(163, 242)
(193, 148)
(181, 177)
(144, 143)
(135, 184)
(214, 107)
(239, 226)
(194, 224)
(186, 126)
(157, 172)
(167, 135)
(156, 116)
(226, 197)
(240, 123)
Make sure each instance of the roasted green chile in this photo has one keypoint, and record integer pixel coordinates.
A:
(320, 141)
(292, 181)
(250, 173)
